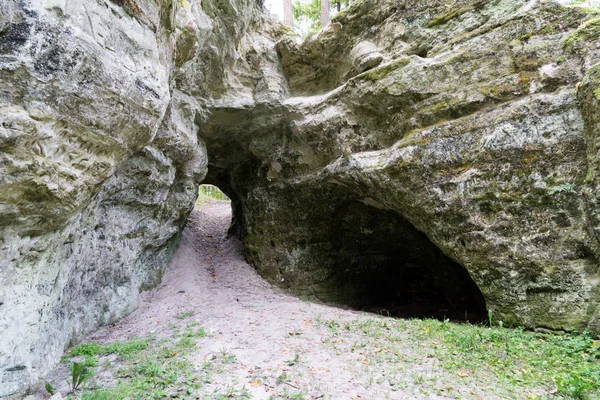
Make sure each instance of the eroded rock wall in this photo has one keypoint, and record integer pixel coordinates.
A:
(452, 141)
(99, 157)
(463, 120)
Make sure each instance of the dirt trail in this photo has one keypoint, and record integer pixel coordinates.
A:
(283, 348)
(261, 343)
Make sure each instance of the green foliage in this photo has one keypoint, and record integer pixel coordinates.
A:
(86, 349)
(79, 373)
(123, 348)
(185, 315)
(597, 94)
(208, 193)
(156, 370)
(49, 388)
(516, 361)
(212, 191)
(310, 11)
(569, 362)
(294, 360)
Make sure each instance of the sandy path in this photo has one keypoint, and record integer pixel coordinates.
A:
(261, 326)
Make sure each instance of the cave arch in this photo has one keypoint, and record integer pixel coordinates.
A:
(357, 255)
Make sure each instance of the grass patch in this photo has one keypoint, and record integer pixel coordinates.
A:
(148, 368)
(123, 348)
(569, 364)
(185, 315)
(540, 365)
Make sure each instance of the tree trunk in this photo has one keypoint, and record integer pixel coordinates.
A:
(288, 16)
(324, 13)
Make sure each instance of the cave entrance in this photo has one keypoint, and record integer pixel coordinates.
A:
(383, 264)
(211, 192)
(208, 193)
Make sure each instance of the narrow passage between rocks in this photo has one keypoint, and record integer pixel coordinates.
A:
(266, 344)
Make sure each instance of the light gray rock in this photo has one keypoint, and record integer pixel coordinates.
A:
(99, 157)
(470, 130)
(410, 147)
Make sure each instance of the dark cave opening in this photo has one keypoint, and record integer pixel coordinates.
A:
(376, 261)
(384, 264)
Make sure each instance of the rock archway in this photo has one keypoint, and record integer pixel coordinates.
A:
(354, 254)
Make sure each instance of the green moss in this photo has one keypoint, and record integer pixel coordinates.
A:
(442, 18)
(597, 94)
(449, 15)
(346, 12)
(384, 70)
(588, 31)
(529, 62)
(560, 20)
(498, 91)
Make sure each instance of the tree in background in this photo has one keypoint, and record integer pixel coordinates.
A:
(309, 12)
(288, 15)
(324, 12)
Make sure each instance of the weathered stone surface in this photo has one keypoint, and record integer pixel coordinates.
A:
(100, 157)
(413, 154)
(468, 126)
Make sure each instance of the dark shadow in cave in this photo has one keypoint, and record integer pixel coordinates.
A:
(379, 262)
(384, 264)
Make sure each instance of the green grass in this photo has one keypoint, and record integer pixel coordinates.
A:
(516, 361)
(567, 363)
(147, 368)
(185, 315)
(428, 357)
(123, 348)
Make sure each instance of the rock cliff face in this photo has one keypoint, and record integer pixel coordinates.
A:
(99, 156)
(428, 155)
(415, 157)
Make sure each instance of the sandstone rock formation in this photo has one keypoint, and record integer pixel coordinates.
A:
(99, 156)
(414, 126)
(413, 153)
